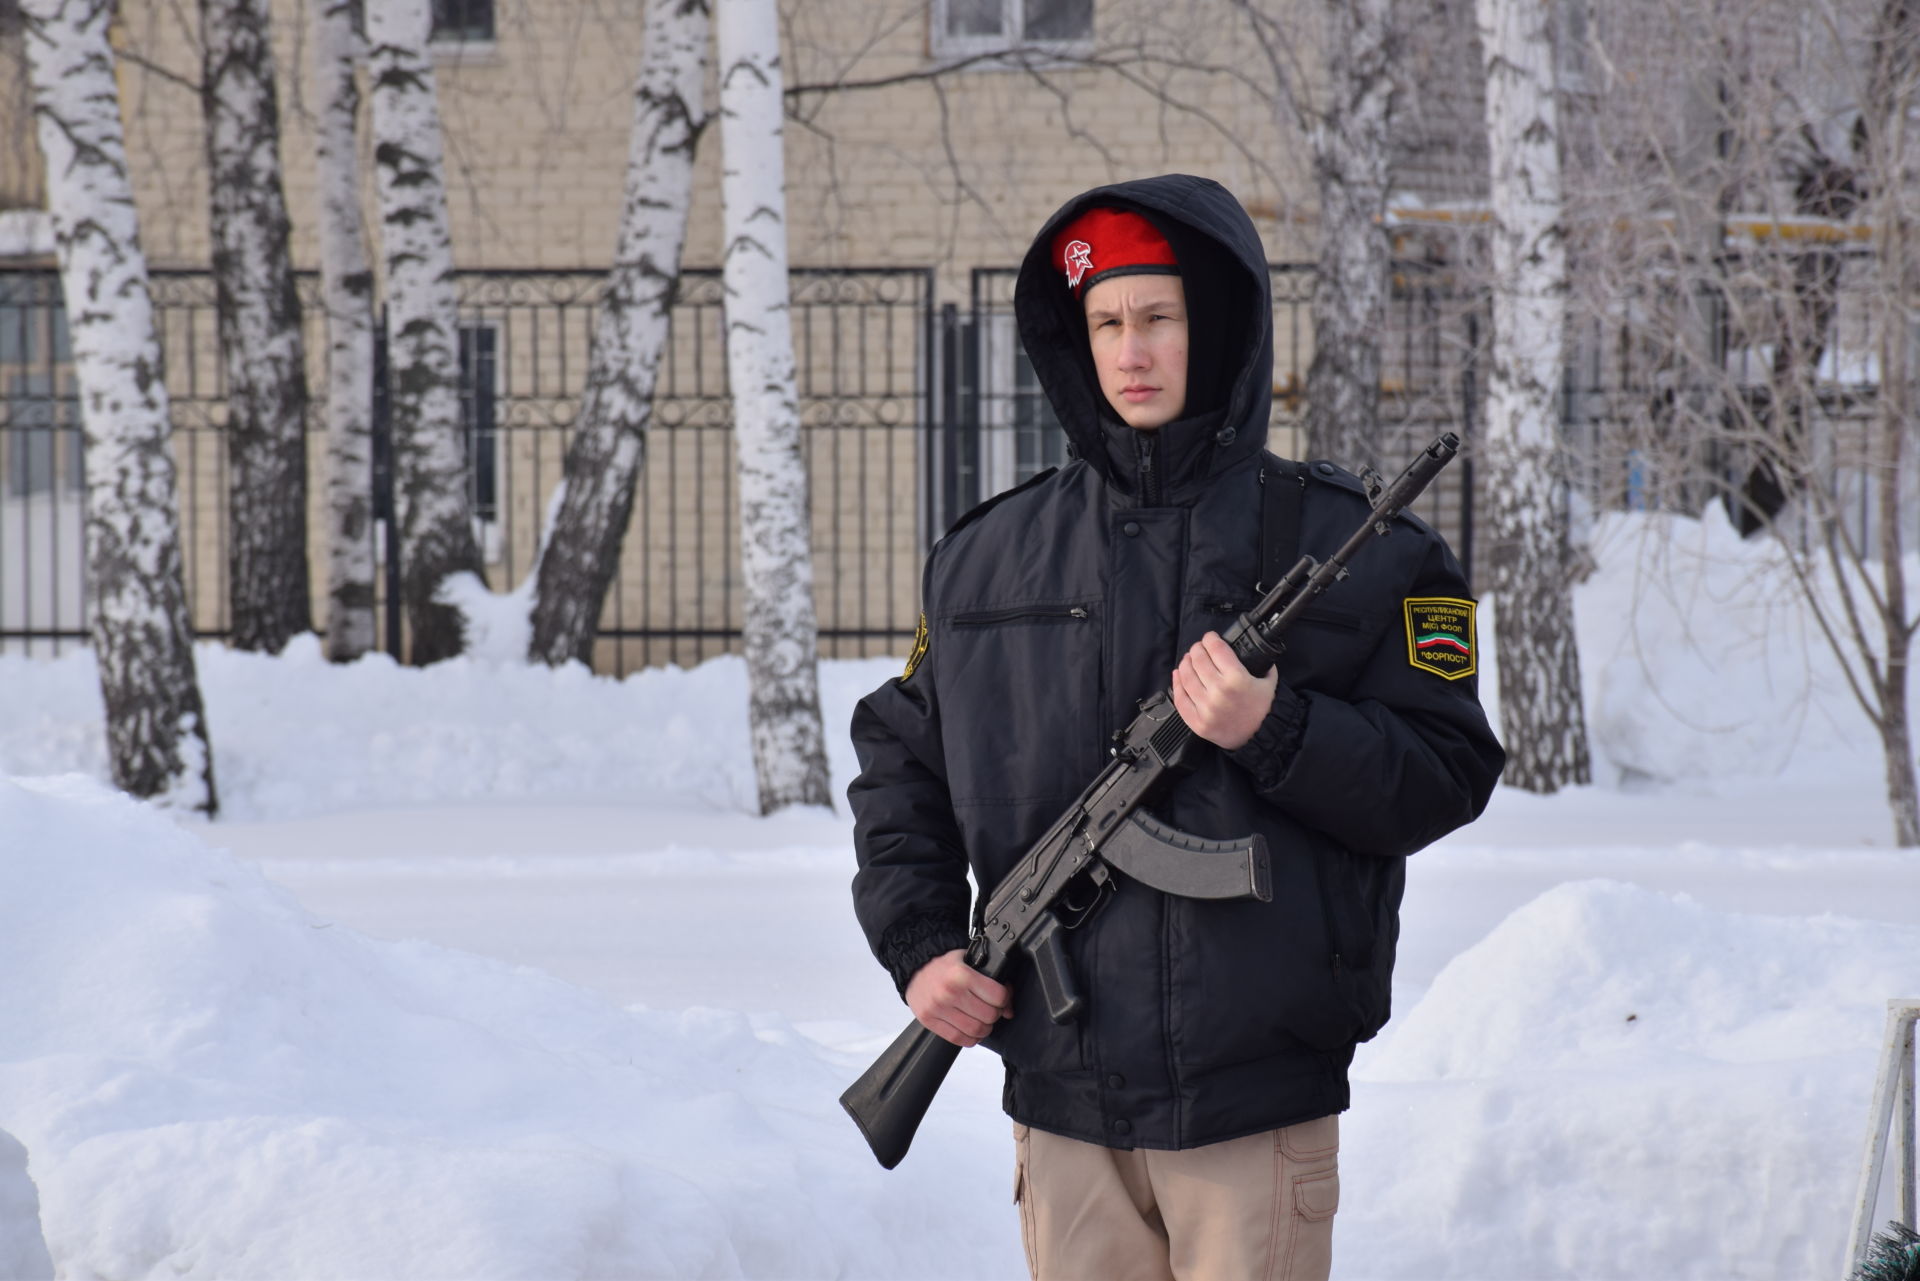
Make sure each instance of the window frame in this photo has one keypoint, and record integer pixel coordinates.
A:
(440, 38)
(1013, 15)
(477, 353)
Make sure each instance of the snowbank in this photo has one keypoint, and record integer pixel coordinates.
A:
(1616, 1083)
(297, 735)
(1701, 665)
(210, 1082)
(1701, 661)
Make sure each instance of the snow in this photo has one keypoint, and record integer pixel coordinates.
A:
(1681, 604)
(491, 972)
(25, 233)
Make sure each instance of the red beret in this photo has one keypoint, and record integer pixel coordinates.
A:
(1110, 242)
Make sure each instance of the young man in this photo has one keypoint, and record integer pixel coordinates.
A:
(1185, 1125)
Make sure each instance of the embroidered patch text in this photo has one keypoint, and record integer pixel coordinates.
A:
(1440, 635)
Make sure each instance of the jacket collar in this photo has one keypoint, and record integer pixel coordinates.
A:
(1162, 468)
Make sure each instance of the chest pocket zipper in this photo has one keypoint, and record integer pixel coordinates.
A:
(1023, 613)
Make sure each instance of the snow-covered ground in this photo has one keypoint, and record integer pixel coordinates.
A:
(488, 973)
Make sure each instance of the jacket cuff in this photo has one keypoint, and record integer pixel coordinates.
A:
(912, 941)
(1269, 754)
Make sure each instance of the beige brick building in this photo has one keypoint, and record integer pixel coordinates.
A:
(919, 165)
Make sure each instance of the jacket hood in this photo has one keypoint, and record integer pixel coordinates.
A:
(1224, 266)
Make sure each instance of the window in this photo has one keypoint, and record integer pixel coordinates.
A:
(34, 332)
(1039, 442)
(966, 27)
(463, 21)
(479, 420)
(1020, 437)
(479, 427)
(42, 431)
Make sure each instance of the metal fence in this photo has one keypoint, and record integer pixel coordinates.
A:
(860, 341)
(913, 410)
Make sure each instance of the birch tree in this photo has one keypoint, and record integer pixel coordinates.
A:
(260, 340)
(346, 284)
(1851, 565)
(430, 465)
(1348, 123)
(1869, 593)
(780, 634)
(582, 550)
(1541, 715)
(136, 595)
(1811, 279)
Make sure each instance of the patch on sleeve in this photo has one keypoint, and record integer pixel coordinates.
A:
(919, 650)
(1440, 635)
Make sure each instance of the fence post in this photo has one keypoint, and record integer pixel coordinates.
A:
(1893, 1108)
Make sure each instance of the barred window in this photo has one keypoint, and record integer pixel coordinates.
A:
(42, 430)
(480, 418)
(479, 422)
(966, 27)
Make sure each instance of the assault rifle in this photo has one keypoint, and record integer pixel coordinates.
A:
(1065, 875)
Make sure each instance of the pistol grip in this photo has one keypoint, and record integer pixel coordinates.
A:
(1048, 947)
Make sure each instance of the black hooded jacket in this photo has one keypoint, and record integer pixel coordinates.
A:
(1051, 611)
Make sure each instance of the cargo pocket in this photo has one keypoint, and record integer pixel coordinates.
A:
(1316, 1196)
(1309, 1156)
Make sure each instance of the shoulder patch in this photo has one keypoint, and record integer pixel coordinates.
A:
(995, 501)
(919, 651)
(1440, 635)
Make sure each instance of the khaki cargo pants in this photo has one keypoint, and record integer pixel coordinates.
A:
(1258, 1208)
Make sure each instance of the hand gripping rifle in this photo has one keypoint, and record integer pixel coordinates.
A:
(1065, 875)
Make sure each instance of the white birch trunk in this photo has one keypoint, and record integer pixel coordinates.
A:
(781, 635)
(136, 594)
(1543, 723)
(430, 464)
(1352, 171)
(259, 329)
(346, 282)
(582, 551)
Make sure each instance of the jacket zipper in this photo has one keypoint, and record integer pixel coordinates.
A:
(1042, 613)
(1149, 488)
